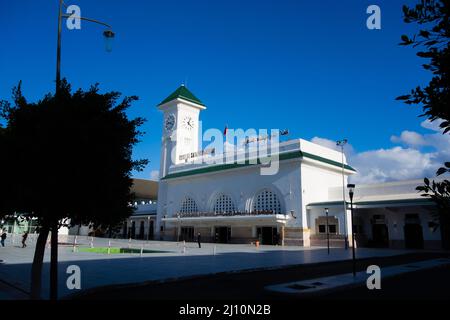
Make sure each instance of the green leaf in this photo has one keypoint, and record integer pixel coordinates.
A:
(425, 54)
(424, 33)
(405, 97)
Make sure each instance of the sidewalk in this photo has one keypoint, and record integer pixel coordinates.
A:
(346, 280)
(8, 292)
(169, 261)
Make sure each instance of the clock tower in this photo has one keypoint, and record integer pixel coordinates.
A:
(180, 127)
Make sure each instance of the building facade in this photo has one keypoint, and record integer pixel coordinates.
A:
(233, 202)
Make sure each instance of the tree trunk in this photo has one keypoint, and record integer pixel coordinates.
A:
(36, 268)
(54, 263)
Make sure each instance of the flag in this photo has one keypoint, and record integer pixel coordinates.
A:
(225, 130)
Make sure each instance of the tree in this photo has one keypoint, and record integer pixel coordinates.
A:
(433, 39)
(68, 157)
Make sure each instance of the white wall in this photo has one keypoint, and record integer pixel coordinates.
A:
(241, 184)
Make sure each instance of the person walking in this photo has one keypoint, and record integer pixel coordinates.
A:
(3, 238)
(199, 238)
(24, 239)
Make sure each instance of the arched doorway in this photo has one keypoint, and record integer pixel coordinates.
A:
(413, 232)
(150, 230)
(133, 230)
(141, 230)
(380, 233)
(125, 230)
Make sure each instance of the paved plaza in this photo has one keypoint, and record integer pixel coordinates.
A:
(170, 261)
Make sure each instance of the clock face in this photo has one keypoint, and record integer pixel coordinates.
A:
(170, 122)
(188, 123)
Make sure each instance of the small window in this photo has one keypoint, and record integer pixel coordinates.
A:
(224, 204)
(188, 206)
(267, 201)
(322, 228)
(332, 228)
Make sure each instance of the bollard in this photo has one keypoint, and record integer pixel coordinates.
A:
(92, 242)
(109, 247)
(142, 249)
(74, 244)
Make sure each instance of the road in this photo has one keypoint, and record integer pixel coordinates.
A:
(432, 284)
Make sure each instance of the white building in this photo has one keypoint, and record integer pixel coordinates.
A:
(141, 224)
(233, 202)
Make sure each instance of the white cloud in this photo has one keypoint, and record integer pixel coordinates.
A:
(325, 143)
(348, 148)
(154, 175)
(427, 124)
(396, 163)
(410, 138)
(419, 156)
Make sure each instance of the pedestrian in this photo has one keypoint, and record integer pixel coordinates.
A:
(3, 238)
(199, 238)
(24, 239)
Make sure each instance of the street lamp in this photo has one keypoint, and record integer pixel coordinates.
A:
(342, 143)
(328, 233)
(109, 37)
(178, 227)
(351, 188)
(148, 222)
(108, 34)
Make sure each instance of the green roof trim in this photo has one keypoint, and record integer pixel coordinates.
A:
(283, 156)
(183, 93)
(328, 161)
(374, 202)
(327, 203)
(415, 201)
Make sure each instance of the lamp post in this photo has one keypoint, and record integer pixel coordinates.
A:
(178, 227)
(342, 143)
(328, 233)
(148, 232)
(109, 35)
(351, 188)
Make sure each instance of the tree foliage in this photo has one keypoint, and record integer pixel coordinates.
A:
(433, 17)
(71, 157)
(68, 156)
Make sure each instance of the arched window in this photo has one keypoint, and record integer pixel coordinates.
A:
(188, 206)
(224, 204)
(267, 201)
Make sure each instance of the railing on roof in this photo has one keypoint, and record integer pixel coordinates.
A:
(224, 214)
(234, 156)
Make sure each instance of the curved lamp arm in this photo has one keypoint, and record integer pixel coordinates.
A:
(87, 19)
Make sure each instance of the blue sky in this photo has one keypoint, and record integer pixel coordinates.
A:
(310, 66)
